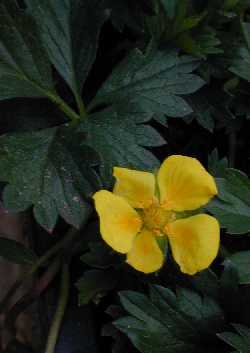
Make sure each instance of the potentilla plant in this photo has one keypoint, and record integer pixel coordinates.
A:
(124, 146)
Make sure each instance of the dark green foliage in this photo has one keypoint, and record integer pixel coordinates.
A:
(95, 283)
(70, 33)
(100, 256)
(170, 7)
(241, 63)
(44, 169)
(203, 112)
(232, 206)
(153, 82)
(241, 260)
(240, 340)
(122, 145)
(24, 66)
(168, 322)
(129, 83)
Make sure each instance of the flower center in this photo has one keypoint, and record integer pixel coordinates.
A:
(156, 218)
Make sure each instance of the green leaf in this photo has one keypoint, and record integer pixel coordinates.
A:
(202, 111)
(154, 82)
(229, 281)
(204, 311)
(24, 66)
(241, 61)
(100, 256)
(70, 32)
(241, 261)
(240, 340)
(16, 252)
(191, 22)
(170, 7)
(118, 134)
(241, 64)
(165, 322)
(217, 166)
(181, 14)
(206, 282)
(121, 343)
(204, 43)
(96, 283)
(246, 32)
(49, 170)
(208, 42)
(232, 206)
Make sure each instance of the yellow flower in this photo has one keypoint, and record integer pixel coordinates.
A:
(143, 207)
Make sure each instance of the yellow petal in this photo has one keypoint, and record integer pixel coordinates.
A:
(194, 242)
(119, 222)
(145, 255)
(184, 184)
(135, 186)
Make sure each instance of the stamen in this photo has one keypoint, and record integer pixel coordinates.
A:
(167, 205)
(156, 217)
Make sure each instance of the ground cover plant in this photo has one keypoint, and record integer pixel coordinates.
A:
(124, 163)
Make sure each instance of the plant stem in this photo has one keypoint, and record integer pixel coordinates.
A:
(52, 95)
(81, 106)
(40, 262)
(64, 107)
(26, 300)
(59, 314)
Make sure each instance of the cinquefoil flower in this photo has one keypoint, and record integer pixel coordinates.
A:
(143, 207)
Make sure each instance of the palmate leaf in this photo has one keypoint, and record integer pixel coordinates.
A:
(240, 340)
(46, 169)
(154, 82)
(70, 31)
(164, 322)
(232, 206)
(118, 134)
(24, 66)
